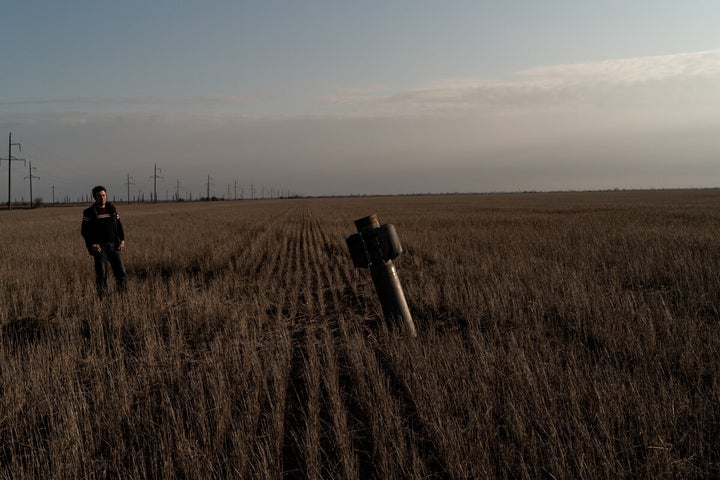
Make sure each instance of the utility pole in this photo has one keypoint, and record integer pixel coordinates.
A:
(208, 188)
(235, 195)
(11, 159)
(155, 177)
(177, 191)
(128, 183)
(53, 188)
(31, 176)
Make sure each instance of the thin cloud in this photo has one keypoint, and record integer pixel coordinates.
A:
(549, 87)
(628, 83)
(630, 70)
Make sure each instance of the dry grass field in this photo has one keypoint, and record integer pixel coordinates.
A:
(569, 335)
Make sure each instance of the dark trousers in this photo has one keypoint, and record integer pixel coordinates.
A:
(112, 256)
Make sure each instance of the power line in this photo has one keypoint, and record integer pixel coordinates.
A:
(177, 190)
(128, 183)
(31, 177)
(208, 187)
(155, 177)
(11, 159)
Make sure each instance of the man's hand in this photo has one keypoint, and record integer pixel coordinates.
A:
(122, 245)
(96, 248)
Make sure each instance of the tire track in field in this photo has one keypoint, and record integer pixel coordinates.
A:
(350, 434)
(346, 430)
(295, 460)
(316, 439)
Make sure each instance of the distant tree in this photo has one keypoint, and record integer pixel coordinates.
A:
(38, 202)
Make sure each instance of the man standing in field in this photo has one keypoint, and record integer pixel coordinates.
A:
(104, 239)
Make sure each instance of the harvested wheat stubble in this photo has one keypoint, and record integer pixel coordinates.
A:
(568, 335)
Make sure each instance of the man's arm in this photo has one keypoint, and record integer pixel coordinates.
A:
(119, 231)
(86, 231)
(85, 228)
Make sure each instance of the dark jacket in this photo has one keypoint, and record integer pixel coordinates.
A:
(93, 232)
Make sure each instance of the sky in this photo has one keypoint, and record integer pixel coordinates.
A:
(320, 97)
